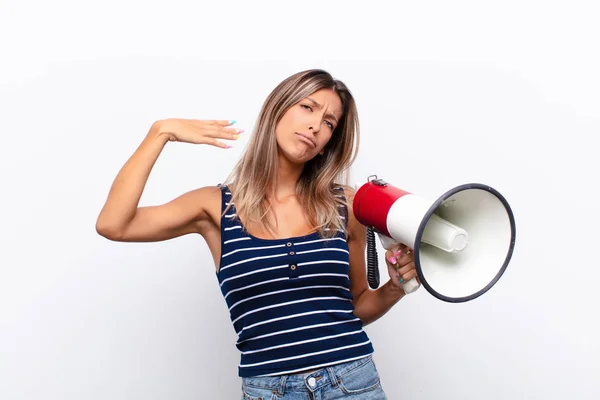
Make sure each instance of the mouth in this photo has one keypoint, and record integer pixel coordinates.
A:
(307, 139)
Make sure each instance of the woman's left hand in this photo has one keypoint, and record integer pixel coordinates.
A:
(401, 265)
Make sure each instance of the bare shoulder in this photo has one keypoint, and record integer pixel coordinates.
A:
(198, 209)
(212, 192)
(202, 202)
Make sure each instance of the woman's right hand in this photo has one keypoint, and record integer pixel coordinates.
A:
(198, 131)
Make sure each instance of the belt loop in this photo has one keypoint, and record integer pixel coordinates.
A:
(281, 389)
(333, 377)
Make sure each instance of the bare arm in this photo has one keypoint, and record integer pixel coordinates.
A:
(122, 220)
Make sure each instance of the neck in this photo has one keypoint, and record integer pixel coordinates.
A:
(287, 178)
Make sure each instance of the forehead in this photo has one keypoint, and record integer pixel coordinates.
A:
(328, 99)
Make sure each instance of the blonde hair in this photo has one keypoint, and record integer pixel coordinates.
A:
(254, 176)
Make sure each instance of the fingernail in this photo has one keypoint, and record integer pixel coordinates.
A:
(235, 137)
(239, 130)
(232, 121)
(396, 254)
(228, 146)
(392, 260)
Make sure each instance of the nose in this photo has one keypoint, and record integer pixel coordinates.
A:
(314, 127)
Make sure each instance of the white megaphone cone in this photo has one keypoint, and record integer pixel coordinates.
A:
(462, 241)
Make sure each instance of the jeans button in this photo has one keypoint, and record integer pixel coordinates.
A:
(311, 381)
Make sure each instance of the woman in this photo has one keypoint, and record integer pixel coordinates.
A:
(289, 254)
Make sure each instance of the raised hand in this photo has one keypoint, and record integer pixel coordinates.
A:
(199, 131)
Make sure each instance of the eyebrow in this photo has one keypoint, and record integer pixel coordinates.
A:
(330, 115)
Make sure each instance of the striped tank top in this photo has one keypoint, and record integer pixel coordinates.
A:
(289, 299)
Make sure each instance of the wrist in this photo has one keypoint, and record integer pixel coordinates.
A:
(393, 291)
(161, 131)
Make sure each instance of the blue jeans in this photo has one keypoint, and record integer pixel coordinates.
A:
(356, 380)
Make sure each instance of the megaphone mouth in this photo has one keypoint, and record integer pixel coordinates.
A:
(461, 199)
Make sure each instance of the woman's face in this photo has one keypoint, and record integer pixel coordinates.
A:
(307, 126)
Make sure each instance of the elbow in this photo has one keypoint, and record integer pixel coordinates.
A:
(365, 320)
(360, 314)
(109, 231)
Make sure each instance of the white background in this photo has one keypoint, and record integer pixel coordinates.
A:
(503, 93)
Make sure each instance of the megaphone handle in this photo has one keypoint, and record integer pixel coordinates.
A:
(390, 244)
(410, 286)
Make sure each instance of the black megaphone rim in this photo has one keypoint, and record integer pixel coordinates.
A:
(428, 215)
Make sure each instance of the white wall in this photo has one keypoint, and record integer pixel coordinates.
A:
(505, 93)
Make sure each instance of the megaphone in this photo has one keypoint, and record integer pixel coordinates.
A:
(462, 241)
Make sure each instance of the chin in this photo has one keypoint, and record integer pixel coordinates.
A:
(296, 156)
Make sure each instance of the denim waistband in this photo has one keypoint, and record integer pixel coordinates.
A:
(301, 381)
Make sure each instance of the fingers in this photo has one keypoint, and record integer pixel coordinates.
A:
(224, 133)
(405, 257)
(222, 122)
(408, 271)
(221, 130)
(401, 264)
(217, 143)
(211, 131)
(214, 125)
(401, 275)
(401, 256)
(212, 122)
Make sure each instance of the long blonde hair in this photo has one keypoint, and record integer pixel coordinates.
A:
(254, 176)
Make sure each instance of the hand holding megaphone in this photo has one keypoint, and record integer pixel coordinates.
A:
(401, 264)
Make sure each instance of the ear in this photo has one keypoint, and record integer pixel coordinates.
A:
(322, 152)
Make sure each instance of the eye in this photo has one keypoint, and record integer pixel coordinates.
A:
(329, 124)
(308, 107)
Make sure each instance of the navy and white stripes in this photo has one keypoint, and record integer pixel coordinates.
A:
(289, 299)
